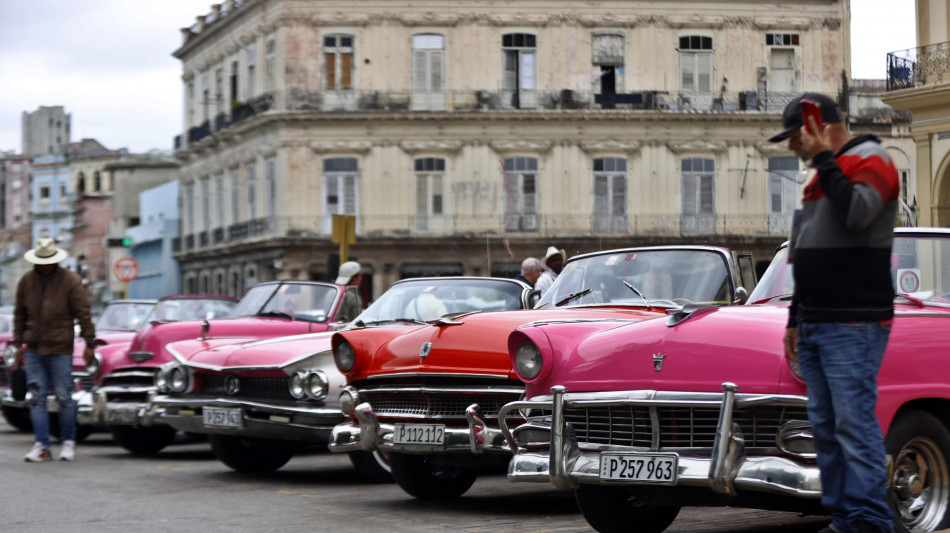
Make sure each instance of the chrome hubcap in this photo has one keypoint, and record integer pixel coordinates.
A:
(919, 485)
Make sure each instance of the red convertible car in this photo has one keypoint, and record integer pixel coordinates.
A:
(430, 397)
(260, 402)
(124, 381)
(702, 407)
(115, 326)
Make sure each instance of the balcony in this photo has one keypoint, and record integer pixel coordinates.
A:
(918, 67)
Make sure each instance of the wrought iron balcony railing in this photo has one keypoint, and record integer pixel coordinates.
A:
(918, 67)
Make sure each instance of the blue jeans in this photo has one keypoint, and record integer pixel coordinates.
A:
(43, 373)
(839, 362)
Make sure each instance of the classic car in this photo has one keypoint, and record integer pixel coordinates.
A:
(703, 409)
(116, 325)
(260, 402)
(429, 397)
(124, 381)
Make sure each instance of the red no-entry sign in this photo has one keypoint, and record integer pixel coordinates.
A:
(126, 269)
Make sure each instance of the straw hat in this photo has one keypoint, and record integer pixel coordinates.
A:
(552, 251)
(45, 253)
(347, 271)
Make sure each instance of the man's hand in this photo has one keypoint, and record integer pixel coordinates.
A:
(814, 144)
(791, 349)
(88, 355)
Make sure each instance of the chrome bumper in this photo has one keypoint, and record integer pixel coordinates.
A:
(726, 471)
(83, 399)
(114, 413)
(258, 420)
(368, 434)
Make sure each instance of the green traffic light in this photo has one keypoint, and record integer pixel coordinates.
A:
(127, 241)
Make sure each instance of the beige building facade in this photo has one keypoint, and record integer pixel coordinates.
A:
(465, 137)
(919, 82)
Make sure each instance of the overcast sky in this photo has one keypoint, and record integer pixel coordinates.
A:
(109, 62)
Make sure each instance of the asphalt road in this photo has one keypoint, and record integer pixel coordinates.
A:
(185, 489)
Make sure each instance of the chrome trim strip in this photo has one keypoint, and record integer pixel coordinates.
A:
(425, 388)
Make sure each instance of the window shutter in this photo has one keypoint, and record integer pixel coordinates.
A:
(706, 199)
(346, 71)
(619, 200)
(529, 195)
(331, 70)
(419, 70)
(690, 200)
(349, 195)
(600, 195)
(421, 195)
(435, 70)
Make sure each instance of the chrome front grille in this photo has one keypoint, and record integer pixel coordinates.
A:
(436, 403)
(261, 389)
(678, 427)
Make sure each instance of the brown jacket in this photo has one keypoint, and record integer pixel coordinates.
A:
(43, 318)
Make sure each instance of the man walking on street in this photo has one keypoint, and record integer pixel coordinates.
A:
(530, 271)
(49, 300)
(841, 314)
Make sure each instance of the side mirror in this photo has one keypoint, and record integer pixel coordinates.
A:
(533, 298)
(741, 296)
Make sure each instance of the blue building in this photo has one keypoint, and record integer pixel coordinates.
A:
(159, 273)
(52, 203)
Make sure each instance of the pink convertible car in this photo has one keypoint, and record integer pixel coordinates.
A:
(702, 409)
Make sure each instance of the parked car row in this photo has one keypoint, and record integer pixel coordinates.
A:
(645, 379)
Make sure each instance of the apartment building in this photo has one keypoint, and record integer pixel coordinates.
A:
(466, 136)
(45, 131)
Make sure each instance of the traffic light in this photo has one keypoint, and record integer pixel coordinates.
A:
(118, 242)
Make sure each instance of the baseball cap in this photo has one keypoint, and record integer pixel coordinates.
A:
(792, 116)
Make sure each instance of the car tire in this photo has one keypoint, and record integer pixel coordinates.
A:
(419, 478)
(918, 494)
(614, 510)
(253, 456)
(143, 440)
(372, 466)
(18, 418)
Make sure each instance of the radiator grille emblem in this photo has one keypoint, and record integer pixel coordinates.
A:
(425, 349)
(658, 361)
(232, 385)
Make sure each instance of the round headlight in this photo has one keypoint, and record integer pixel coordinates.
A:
(297, 386)
(348, 400)
(177, 379)
(95, 367)
(317, 385)
(528, 360)
(161, 380)
(344, 356)
(9, 356)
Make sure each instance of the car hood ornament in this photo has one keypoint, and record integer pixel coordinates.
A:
(658, 361)
(425, 349)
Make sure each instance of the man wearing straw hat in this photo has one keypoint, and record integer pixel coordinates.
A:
(49, 300)
(553, 263)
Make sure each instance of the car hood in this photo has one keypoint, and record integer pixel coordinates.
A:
(741, 345)
(249, 352)
(474, 344)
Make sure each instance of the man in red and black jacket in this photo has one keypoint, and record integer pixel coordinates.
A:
(841, 314)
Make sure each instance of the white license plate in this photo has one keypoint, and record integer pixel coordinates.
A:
(124, 416)
(653, 468)
(428, 434)
(222, 417)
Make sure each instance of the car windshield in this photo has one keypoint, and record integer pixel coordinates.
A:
(639, 277)
(428, 299)
(127, 316)
(191, 309)
(920, 268)
(305, 301)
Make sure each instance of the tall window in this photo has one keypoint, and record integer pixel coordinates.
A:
(783, 193)
(219, 199)
(271, 55)
(428, 52)
(96, 181)
(205, 204)
(190, 105)
(235, 196)
(218, 91)
(521, 194)
(251, 187)
(340, 188)
(518, 85)
(271, 184)
(205, 97)
(234, 82)
(696, 63)
(610, 195)
(429, 181)
(608, 62)
(699, 209)
(251, 57)
(338, 62)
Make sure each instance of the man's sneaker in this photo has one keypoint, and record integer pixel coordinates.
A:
(38, 454)
(69, 451)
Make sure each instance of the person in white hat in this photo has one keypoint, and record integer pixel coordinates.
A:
(350, 276)
(553, 262)
(49, 299)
